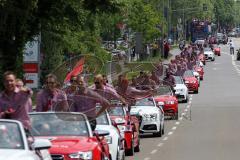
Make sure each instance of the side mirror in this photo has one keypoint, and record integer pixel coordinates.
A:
(101, 133)
(41, 144)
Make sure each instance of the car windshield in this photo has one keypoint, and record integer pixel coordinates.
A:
(116, 111)
(219, 35)
(59, 124)
(207, 49)
(188, 73)
(145, 102)
(178, 80)
(164, 90)
(10, 136)
(102, 119)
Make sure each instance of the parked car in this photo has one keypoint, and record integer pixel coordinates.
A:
(166, 96)
(14, 144)
(202, 58)
(232, 34)
(191, 81)
(71, 136)
(209, 55)
(128, 126)
(181, 90)
(114, 139)
(151, 116)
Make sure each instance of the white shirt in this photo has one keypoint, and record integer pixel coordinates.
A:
(231, 44)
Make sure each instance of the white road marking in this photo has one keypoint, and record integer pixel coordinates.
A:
(190, 102)
(190, 98)
(174, 128)
(165, 138)
(170, 133)
(177, 123)
(188, 106)
(160, 145)
(147, 158)
(215, 69)
(154, 151)
(185, 110)
(191, 95)
(183, 114)
(181, 118)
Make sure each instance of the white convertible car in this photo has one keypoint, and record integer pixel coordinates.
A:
(151, 116)
(114, 139)
(181, 90)
(15, 146)
(209, 55)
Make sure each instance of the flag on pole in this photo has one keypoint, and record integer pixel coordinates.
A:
(78, 68)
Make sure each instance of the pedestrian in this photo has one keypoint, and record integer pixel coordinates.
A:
(51, 98)
(15, 102)
(231, 45)
(166, 49)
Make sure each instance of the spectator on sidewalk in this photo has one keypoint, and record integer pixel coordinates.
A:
(166, 49)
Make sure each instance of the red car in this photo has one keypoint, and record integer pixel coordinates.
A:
(128, 126)
(165, 95)
(217, 51)
(191, 81)
(71, 136)
(200, 70)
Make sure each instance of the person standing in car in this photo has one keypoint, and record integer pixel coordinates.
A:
(51, 98)
(15, 102)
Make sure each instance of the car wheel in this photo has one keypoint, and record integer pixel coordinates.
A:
(176, 116)
(159, 133)
(185, 100)
(163, 130)
(130, 152)
(196, 91)
(137, 148)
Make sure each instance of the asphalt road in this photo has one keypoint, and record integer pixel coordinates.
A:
(209, 127)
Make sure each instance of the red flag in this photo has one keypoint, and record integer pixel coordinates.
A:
(78, 68)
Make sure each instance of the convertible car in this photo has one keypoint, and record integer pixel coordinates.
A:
(71, 136)
(128, 126)
(167, 99)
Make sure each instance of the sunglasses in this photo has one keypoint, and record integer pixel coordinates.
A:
(97, 82)
(50, 82)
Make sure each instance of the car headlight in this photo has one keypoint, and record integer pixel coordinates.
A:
(194, 81)
(150, 117)
(170, 102)
(108, 139)
(122, 128)
(153, 116)
(186, 81)
(82, 155)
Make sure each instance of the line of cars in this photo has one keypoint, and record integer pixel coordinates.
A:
(69, 136)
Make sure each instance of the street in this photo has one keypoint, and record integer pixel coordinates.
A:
(208, 124)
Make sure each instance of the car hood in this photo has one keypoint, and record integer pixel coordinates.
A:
(164, 98)
(190, 78)
(71, 144)
(208, 52)
(180, 86)
(13, 154)
(143, 109)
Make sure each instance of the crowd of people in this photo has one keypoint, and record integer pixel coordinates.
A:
(16, 100)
